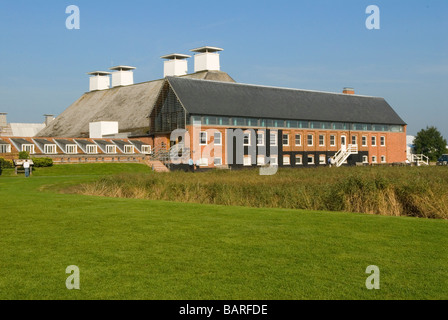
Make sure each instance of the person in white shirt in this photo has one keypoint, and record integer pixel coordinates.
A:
(26, 166)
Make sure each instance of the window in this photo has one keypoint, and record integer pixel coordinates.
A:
(28, 148)
(71, 149)
(146, 149)
(310, 159)
(111, 149)
(246, 139)
(286, 160)
(217, 137)
(365, 159)
(273, 138)
(374, 159)
(354, 140)
(299, 159)
(128, 149)
(247, 161)
(260, 138)
(364, 141)
(322, 159)
(5, 148)
(373, 141)
(203, 138)
(383, 141)
(310, 140)
(274, 160)
(332, 141)
(321, 140)
(50, 149)
(218, 161)
(286, 140)
(383, 159)
(92, 149)
(260, 160)
(298, 139)
(203, 162)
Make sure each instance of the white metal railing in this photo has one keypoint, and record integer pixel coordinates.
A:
(342, 155)
(420, 159)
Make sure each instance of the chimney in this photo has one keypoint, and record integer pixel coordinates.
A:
(348, 90)
(206, 59)
(48, 119)
(176, 65)
(123, 76)
(3, 122)
(99, 80)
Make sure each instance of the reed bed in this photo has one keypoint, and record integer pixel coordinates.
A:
(392, 191)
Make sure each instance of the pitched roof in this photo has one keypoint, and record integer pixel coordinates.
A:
(129, 105)
(241, 100)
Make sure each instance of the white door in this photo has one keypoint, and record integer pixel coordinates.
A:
(343, 143)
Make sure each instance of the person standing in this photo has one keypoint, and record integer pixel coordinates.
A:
(26, 166)
(191, 164)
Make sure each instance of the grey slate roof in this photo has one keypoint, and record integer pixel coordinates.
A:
(3, 142)
(129, 105)
(241, 100)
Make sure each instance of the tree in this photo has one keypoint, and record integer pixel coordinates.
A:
(430, 143)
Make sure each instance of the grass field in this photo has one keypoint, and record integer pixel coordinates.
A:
(145, 249)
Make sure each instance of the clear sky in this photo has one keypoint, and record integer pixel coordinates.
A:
(318, 45)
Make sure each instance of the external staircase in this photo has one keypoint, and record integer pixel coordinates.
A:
(419, 159)
(342, 155)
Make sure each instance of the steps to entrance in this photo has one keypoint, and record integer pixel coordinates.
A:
(157, 166)
(343, 154)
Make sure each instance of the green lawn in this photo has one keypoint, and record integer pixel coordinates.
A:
(141, 249)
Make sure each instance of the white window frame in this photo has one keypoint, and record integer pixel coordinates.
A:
(300, 140)
(310, 156)
(215, 135)
(308, 140)
(248, 136)
(322, 159)
(217, 161)
(323, 140)
(373, 140)
(28, 146)
(202, 135)
(383, 141)
(332, 140)
(127, 147)
(6, 148)
(374, 159)
(273, 160)
(203, 162)
(89, 148)
(275, 135)
(109, 147)
(260, 136)
(286, 160)
(364, 141)
(261, 160)
(146, 149)
(383, 159)
(365, 159)
(68, 148)
(50, 149)
(299, 163)
(287, 139)
(356, 140)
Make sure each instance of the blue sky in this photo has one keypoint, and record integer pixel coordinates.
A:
(318, 45)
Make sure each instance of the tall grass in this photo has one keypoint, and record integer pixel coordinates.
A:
(394, 191)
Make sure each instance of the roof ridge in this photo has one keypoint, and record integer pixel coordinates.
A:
(279, 88)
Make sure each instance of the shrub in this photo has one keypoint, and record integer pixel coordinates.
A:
(24, 155)
(42, 162)
(6, 163)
